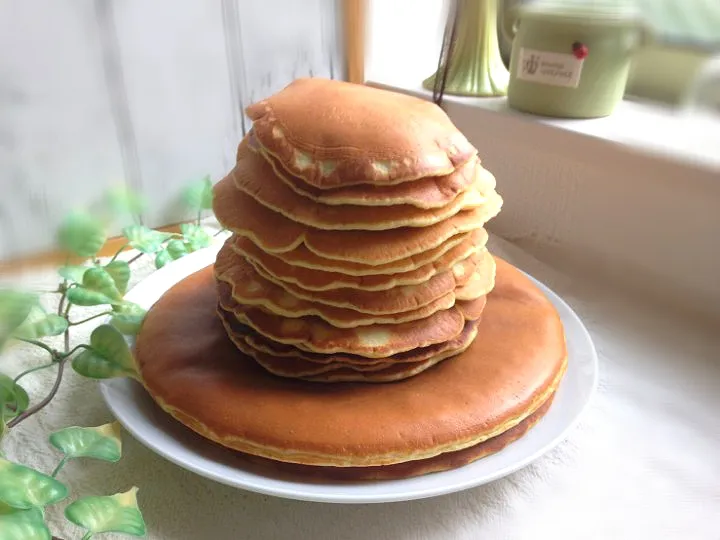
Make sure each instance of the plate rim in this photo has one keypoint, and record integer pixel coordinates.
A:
(197, 260)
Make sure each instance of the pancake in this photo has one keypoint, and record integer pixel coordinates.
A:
(321, 280)
(289, 365)
(407, 469)
(251, 289)
(375, 341)
(480, 282)
(255, 177)
(425, 193)
(315, 373)
(404, 297)
(332, 134)
(280, 350)
(302, 257)
(194, 372)
(296, 367)
(275, 233)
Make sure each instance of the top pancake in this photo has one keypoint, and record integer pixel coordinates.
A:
(332, 134)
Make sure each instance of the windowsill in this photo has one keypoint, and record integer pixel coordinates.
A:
(403, 47)
(693, 138)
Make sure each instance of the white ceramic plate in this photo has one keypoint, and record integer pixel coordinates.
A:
(135, 410)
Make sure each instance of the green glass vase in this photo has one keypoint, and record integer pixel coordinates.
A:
(475, 67)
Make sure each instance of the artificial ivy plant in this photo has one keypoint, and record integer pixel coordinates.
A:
(24, 491)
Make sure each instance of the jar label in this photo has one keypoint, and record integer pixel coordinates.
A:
(544, 67)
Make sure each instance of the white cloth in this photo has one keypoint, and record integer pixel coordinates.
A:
(644, 463)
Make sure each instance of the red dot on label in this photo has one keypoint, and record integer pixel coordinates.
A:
(580, 50)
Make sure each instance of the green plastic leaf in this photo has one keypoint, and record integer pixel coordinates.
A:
(110, 356)
(23, 487)
(115, 513)
(195, 236)
(100, 280)
(120, 273)
(40, 324)
(199, 195)
(81, 234)
(13, 398)
(80, 296)
(98, 287)
(162, 259)
(177, 248)
(102, 442)
(174, 250)
(145, 239)
(127, 318)
(15, 306)
(17, 524)
(74, 274)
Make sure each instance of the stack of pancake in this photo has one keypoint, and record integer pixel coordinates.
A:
(357, 255)
(358, 248)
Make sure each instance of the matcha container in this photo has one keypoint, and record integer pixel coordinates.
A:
(571, 59)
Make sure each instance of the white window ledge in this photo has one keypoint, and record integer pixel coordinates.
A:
(632, 198)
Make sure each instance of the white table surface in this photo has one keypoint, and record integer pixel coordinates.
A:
(643, 463)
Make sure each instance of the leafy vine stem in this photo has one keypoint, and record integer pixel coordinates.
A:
(93, 283)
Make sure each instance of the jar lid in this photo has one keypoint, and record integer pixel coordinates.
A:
(589, 11)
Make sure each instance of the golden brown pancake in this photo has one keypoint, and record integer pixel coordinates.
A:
(260, 287)
(280, 350)
(297, 367)
(407, 469)
(275, 233)
(429, 192)
(255, 177)
(332, 133)
(404, 297)
(304, 258)
(292, 365)
(317, 279)
(323, 374)
(251, 289)
(192, 369)
(480, 282)
(374, 341)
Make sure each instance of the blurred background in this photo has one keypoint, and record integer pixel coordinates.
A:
(149, 94)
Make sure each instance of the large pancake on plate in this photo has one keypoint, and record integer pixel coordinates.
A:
(255, 177)
(195, 373)
(275, 233)
(332, 133)
(316, 279)
(250, 288)
(406, 469)
(374, 341)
